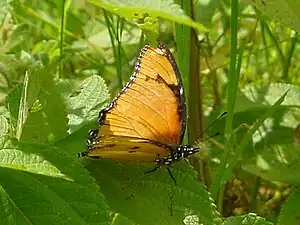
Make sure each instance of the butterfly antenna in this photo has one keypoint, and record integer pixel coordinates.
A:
(207, 128)
(213, 123)
(210, 137)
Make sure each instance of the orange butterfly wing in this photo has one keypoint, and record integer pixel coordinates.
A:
(147, 118)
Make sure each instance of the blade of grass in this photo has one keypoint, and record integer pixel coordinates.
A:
(113, 36)
(231, 95)
(64, 9)
(189, 67)
(182, 36)
(290, 52)
(226, 166)
(23, 110)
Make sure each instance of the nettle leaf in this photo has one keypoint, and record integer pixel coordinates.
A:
(43, 185)
(249, 219)
(153, 198)
(92, 92)
(91, 95)
(42, 115)
(145, 13)
(146, 198)
(16, 159)
(284, 11)
(278, 163)
(290, 213)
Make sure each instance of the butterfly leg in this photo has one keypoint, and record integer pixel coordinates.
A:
(82, 154)
(154, 169)
(171, 175)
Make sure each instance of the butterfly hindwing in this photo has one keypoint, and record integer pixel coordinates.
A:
(122, 148)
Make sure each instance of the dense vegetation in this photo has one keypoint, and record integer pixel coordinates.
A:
(62, 61)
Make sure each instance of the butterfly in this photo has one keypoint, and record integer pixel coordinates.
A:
(146, 121)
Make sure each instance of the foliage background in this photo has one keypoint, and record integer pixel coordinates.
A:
(60, 61)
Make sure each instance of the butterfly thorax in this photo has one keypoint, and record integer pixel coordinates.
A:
(177, 154)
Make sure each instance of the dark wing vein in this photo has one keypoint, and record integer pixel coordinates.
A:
(161, 100)
(140, 122)
(147, 89)
(150, 56)
(146, 120)
(136, 90)
(146, 106)
(118, 126)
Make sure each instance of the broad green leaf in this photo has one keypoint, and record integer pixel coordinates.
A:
(153, 198)
(268, 95)
(248, 135)
(144, 13)
(45, 198)
(224, 171)
(251, 97)
(249, 219)
(284, 11)
(16, 158)
(279, 163)
(9, 213)
(205, 10)
(85, 106)
(290, 211)
(93, 92)
(146, 198)
(42, 114)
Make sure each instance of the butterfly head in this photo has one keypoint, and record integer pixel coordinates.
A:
(185, 151)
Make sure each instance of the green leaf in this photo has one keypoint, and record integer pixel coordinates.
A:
(16, 158)
(268, 95)
(9, 214)
(42, 114)
(146, 198)
(12, 101)
(92, 93)
(48, 199)
(253, 98)
(205, 10)
(4, 129)
(279, 163)
(224, 170)
(290, 211)
(153, 198)
(249, 219)
(145, 13)
(284, 11)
